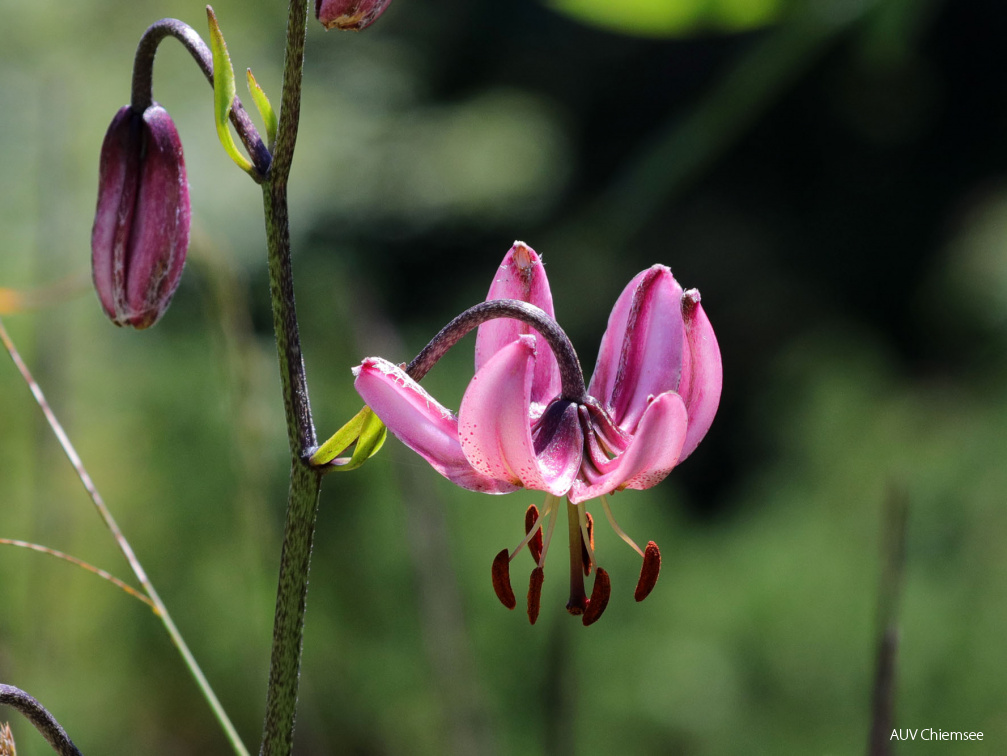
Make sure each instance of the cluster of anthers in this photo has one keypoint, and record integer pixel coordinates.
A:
(582, 562)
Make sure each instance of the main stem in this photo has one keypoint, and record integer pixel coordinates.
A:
(305, 482)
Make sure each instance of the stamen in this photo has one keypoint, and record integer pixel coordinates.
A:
(617, 529)
(587, 539)
(532, 522)
(649, 572)
(530, 533)
(599, 597)
(535, 593)
(501, 580)
(552, 511)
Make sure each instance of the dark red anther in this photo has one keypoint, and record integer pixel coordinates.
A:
(535, 593)
(585, 555)
(649, 572)
(599, 597)
(501, 580)
(535, 544)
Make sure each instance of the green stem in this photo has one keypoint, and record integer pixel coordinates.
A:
(305, 482)
(288, 625)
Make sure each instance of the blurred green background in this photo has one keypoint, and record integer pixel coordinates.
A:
(831, 176)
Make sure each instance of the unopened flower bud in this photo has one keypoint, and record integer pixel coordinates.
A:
(141, 224)
(349, 15)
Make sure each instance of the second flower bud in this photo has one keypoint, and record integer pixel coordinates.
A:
(141, 224)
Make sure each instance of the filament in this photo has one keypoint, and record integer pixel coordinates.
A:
(552, 509)
(615, 526)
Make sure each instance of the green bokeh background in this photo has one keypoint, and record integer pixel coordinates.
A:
(820, 172)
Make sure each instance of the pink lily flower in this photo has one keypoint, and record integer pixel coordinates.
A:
(523, 423)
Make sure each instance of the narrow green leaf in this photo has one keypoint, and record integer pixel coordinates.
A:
(223, 92)
(264, 106)
(365, 430)
(372, 438)
(341, 439)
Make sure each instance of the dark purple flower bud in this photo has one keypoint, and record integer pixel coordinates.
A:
(349, 15)
(141, 224)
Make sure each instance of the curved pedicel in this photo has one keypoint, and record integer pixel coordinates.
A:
(142, 88)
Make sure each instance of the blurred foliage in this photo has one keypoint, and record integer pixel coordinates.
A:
(834, 183)
(672, 18)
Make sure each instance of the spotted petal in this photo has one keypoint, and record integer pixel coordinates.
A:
(495, 427)
(521, 276)
(651, 454)
(421, 423)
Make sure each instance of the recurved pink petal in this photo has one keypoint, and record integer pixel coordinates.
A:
(702, 371)
(421, 423)
(641, 351)
(494, 425)
(651, 454)
(522, 276)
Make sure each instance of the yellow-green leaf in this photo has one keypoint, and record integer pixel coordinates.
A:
(223, 92)
(341, 440)
(372, 438)
(264, 106)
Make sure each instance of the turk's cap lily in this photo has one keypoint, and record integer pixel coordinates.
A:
(651, 400)
(527, 420)
(141, 224)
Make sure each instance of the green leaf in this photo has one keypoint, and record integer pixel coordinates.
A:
(264, 107)
(341, 440)
(672, 18)
(223, 92)
(364, 429)
(372, 438)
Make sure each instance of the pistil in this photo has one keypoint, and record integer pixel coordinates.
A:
(578, 598)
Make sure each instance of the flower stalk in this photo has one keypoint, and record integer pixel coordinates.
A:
(40, 717)
(305, 481)
(142, 96)
(571, 374)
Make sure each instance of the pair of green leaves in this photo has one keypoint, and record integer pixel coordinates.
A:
(224, 90)
(365, 429)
